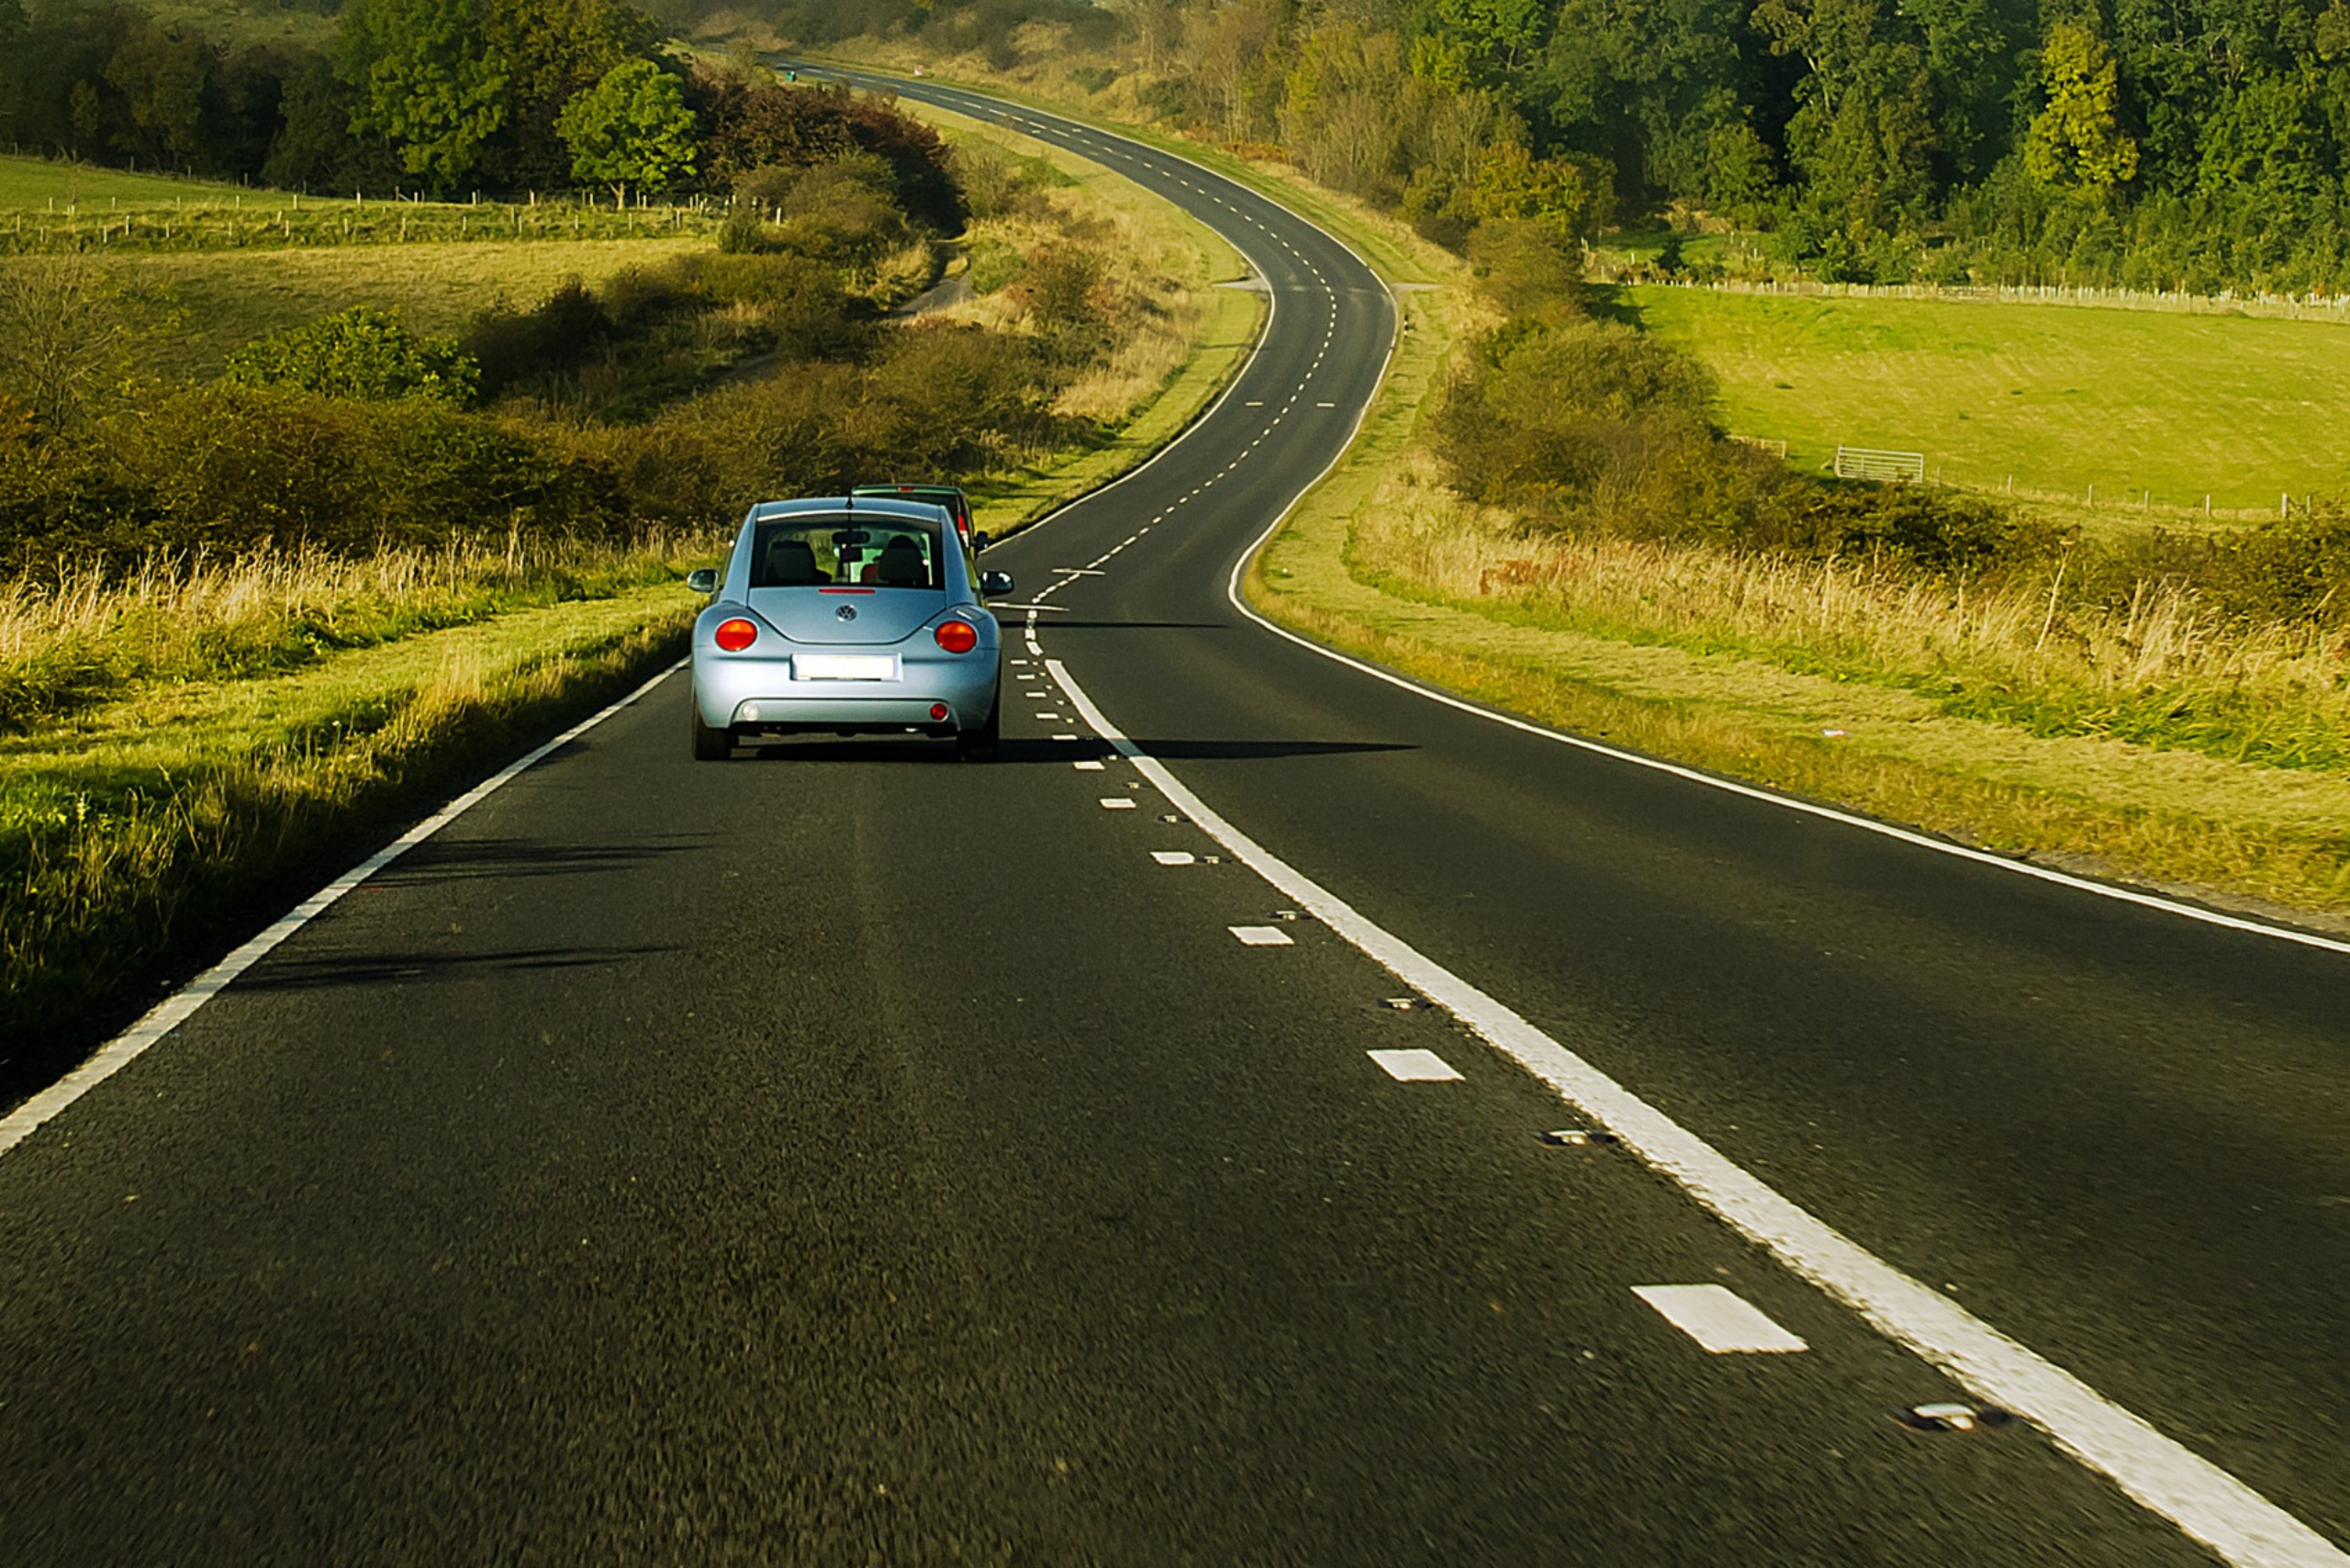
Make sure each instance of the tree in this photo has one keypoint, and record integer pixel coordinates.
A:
(162, 73)
(427, 81)
(2075, 143)
(630, 129)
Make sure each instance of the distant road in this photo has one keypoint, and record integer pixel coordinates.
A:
(851, 1155)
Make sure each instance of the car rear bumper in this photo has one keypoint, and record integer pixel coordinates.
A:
(759, 694)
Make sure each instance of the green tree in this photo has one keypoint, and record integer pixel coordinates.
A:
(360, 352)
(427, 81)
(1511, 182)
(2075, 143)
(630, 129)
(162, 73)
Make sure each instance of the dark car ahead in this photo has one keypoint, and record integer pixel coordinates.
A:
(957, 504)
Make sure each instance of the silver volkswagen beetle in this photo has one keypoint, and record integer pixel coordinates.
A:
(847, 615)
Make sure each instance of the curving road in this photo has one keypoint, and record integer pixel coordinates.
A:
(853, 1156)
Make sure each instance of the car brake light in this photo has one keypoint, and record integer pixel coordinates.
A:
(735, 635)
(957, 636)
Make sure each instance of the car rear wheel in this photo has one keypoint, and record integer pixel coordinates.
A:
(709, 745)
(979, 744)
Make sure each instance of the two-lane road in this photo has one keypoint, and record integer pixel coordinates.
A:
(851, 1155)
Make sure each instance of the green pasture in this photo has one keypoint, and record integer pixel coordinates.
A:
(216, 301)
(2058, 398)
(37, 184)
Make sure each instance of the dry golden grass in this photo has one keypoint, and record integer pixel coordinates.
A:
(2166, 645)
(95, 633)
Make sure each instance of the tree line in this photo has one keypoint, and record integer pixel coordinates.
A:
(2144, 143)
(440, 96)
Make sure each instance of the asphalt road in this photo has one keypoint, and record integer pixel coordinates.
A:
(850, 1155)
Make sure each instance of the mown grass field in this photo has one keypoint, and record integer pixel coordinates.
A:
(218, 300)
(35, 185)
(2060, 397)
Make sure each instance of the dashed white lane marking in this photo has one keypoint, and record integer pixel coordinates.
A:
(1415, 1067)
(1048, 715)
(1326, 405)
(1080, 571)
(1118, 802)
(2165, 1476)
(1719, 1319)
(182, 1005)
(1257, 936)
(1174, 857)
(1065, 737)
(1089, 765)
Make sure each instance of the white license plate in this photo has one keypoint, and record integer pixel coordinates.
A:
(844, 666)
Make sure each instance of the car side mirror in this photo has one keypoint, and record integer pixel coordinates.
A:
(993, 583)
(980, 540)
(702, 581)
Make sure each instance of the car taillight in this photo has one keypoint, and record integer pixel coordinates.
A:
(957, 636)
(735, 635)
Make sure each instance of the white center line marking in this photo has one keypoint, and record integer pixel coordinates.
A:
(1719, 1319)
(1065, 737)
(1415, 1067)
(1174, 857)
(1255, 935)
(1091, 765)
(2165, 1476)
(1048, 715)
(1118, 802)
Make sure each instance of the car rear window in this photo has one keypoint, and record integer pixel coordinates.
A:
(867, 552)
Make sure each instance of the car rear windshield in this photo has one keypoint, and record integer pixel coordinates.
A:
(819, 551)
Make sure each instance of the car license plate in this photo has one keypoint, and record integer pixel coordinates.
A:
(844, 666)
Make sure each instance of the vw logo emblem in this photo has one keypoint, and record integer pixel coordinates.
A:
(846, 612)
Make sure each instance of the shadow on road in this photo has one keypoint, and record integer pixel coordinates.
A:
(447, 859)
(327, 972)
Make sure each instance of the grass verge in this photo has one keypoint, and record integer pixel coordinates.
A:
(158, 823)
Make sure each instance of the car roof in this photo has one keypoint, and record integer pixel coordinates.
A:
(907, 489)
(911, 510)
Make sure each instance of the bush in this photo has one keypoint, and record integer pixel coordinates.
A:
(360, 352)
(513, 347)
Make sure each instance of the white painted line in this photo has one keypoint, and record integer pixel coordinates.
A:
(1118, 803)
(183, 1003)
(1257, 936)
(1415, 1067)
(1048, 715)
(1080, 572)
(1721, 1320)
(2165, 1476)
(1174, 857)
(1091, 765)
(1066, 737)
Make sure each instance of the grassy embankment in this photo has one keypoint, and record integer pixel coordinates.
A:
(1987, 720)
(2058, 398)
(179, 746)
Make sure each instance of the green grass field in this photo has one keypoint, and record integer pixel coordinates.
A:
(223, 299)
(36, 185)
(2059, 398)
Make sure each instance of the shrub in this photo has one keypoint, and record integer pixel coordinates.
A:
(360, 352)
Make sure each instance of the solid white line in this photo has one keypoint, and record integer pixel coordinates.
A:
(1719, 1319)
(1415, 1066)
(2203, 1500)
(1259, 936)
(182, 1005)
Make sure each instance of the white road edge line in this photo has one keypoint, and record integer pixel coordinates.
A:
(182, 1005)
(2206, 1501)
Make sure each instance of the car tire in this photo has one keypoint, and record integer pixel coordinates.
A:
(979, 744)
(709, 745)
